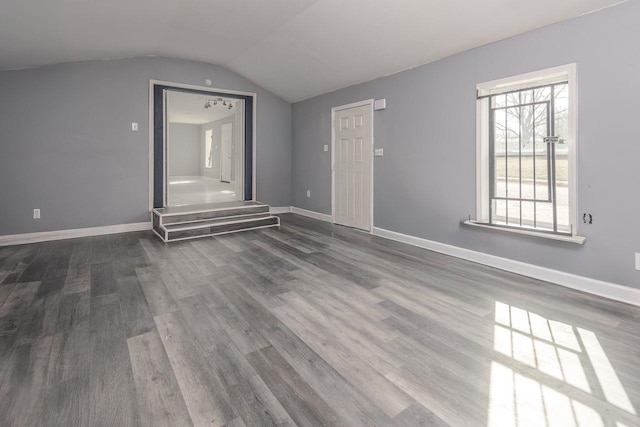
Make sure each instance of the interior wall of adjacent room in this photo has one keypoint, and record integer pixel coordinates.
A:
(425, 183)
(67, 145)
(184, 149)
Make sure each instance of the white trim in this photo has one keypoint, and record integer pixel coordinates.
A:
(312, 214)
(254, 162)
(561, 237)
(165, 147)
(194, 225)
(522, 81)
(482, 160)
(227, 208)
(163, 238)
(364, 103)
(373, 161)
(151, 148)
(585, 284)
(201, 88)
(239, 158)
(353, 105)
(195, 221)
(279, 210)
(333, 164)
(45, 236)
(254, 155)
(224, 232)
(573, 146)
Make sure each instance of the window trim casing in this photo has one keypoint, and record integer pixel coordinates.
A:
(567, 72)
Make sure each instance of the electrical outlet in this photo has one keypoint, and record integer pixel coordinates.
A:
(637, 261)
(36, 214)
(308, 193)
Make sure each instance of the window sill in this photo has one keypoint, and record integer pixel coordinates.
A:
(579, 240)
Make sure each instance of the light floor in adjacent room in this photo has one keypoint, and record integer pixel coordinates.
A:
(309, 324)
(195, 190)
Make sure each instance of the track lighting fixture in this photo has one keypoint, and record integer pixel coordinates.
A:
(215, 101)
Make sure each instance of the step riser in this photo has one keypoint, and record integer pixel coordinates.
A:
(211, 222)
(156, 224)
(222, 229)
(158, 230)
(215, 214)
(190, 222)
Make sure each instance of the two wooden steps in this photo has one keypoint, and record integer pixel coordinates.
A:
(190, 222)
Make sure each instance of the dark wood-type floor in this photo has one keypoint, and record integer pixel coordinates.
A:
(311, 324)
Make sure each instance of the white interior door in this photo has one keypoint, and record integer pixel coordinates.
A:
(226, 150)
(352, 166)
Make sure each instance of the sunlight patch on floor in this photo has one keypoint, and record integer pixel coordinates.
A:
(540, 375)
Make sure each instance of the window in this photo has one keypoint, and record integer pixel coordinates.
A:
(526, 152)
(208, 152)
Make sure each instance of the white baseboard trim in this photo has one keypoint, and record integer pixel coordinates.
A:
(312, 214)
(20, 239)
(585, 284)
(274, 210)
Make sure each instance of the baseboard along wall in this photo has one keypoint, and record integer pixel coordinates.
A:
(601, 288)
(585, 284)
(45, 236)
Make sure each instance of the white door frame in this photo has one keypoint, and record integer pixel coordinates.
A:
(165, 149)
(239, 136)
(153, 82)
(366, 102)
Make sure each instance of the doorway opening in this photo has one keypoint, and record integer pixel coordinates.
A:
(202, 146)
(352, 165)
(204, 149)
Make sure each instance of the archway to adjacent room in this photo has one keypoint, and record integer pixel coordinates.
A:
(202, 145)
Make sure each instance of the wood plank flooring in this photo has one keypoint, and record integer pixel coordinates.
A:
(310, 324)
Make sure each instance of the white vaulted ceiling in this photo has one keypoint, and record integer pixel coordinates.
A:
(294, 48)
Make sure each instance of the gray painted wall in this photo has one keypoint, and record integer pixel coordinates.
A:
(66, 144)
(184, 149)
(425, 183)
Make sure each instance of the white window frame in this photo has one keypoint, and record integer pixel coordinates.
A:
(522, 81)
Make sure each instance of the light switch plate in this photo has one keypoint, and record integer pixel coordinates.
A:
(134, 127)
(378, 152)
(326, 147)
(637, 261)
